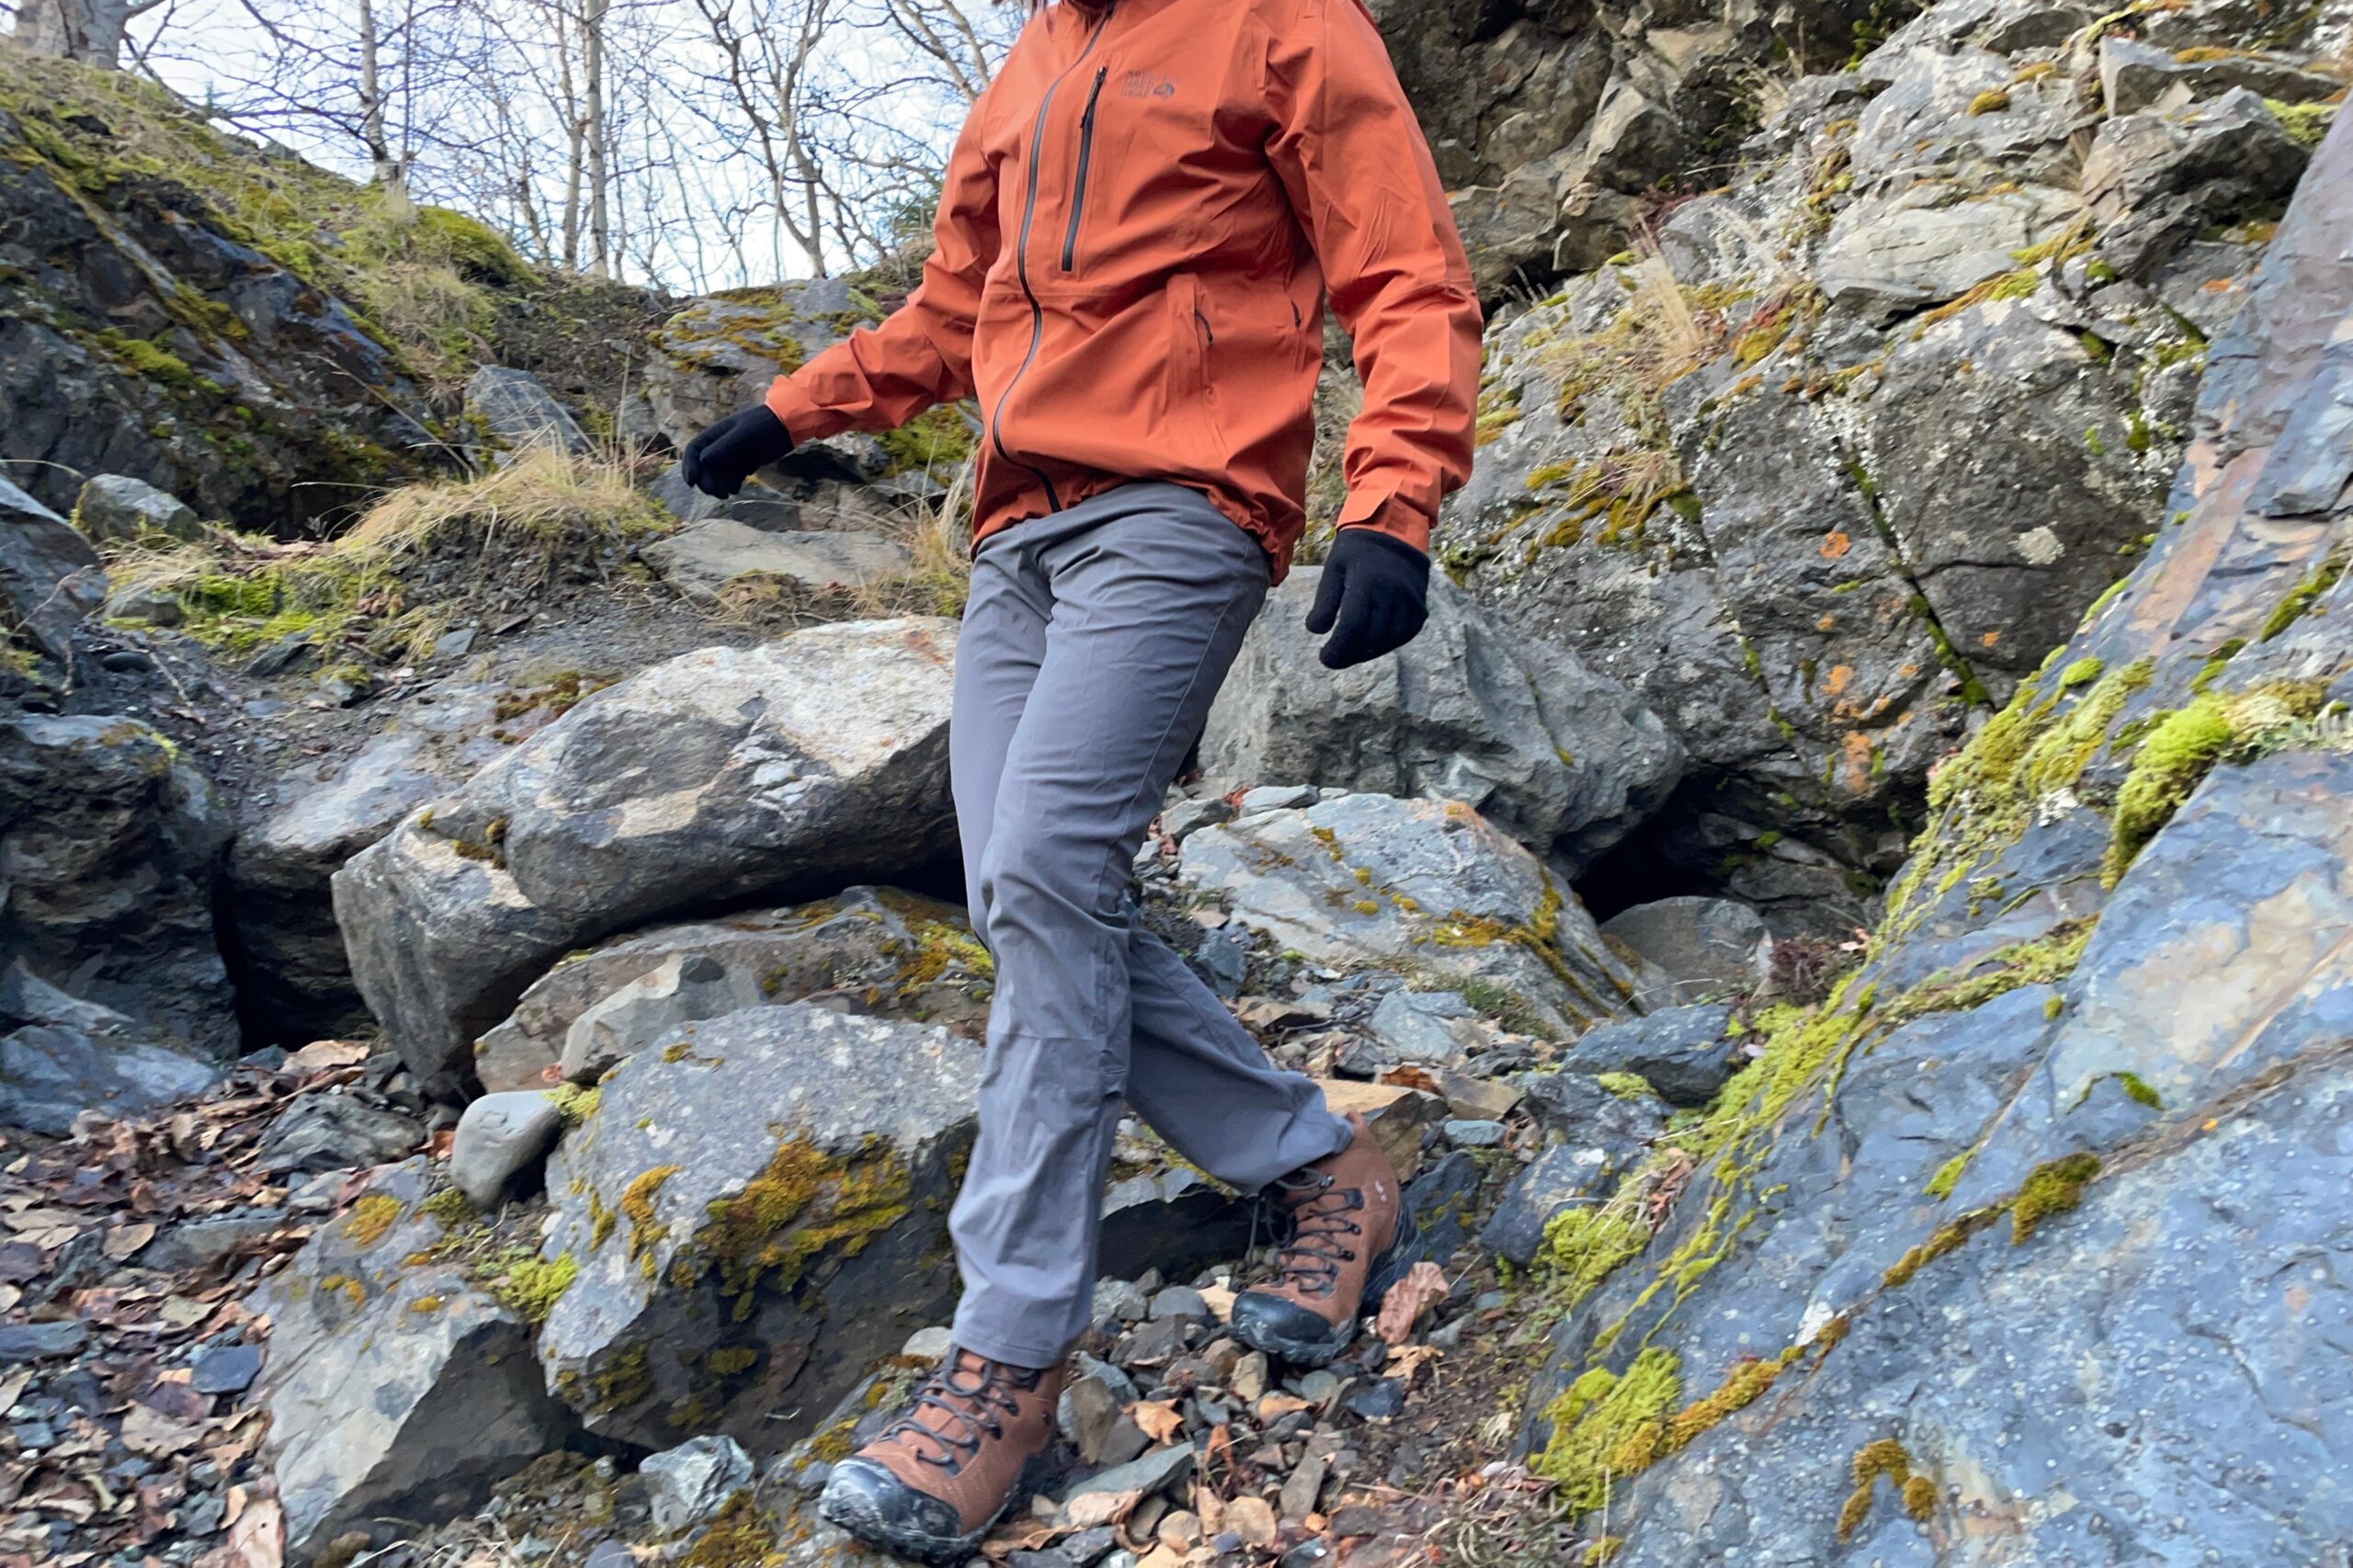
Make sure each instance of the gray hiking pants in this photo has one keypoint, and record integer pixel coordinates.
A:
(1093, 642)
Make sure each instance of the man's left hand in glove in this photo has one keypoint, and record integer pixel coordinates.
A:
(717, 461)
(1373, 598)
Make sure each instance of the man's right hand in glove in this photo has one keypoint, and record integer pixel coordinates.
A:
(718, 461)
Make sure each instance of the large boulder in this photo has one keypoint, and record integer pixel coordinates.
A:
(61, 1056)
(2155, 178)
(116, 506)
(2072, 1131)
(754, 1212)
(520, 413)
(1428, 887)
(1560, 758)
(867, 950)
(398, 1389)
(713, 780)
(110, 849)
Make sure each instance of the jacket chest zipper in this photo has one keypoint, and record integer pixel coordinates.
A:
(1086, 154)
(1021, 250)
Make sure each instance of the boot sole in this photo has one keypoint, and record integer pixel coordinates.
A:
(871, 1528)
(1391, 1267)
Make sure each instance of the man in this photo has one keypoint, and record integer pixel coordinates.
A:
(1140, 222)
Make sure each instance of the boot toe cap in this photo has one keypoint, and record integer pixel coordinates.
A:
(866, 1499)
(1282, 1327)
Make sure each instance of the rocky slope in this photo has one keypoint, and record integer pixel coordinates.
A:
(1912, 479)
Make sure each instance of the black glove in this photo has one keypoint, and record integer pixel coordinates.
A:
(1376, 587)
(718, 461)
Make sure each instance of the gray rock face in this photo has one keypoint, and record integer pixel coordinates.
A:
(2053, 1149)
(59, 1057)
(1890, 255)
(1425, 885)
(2135, 76)
(117, 507)
(875, 949)
(732, 1268)
(702, 557)
(501, 1138)
(397, 1392)
(714, 778)
(1711, 946)
(110, 847)
(49, 577)
(2153, 179)
(520, 414)
(1551, 753)
(1562, 1177)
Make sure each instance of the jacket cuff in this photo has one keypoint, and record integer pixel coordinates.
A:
(793, 410)
(1385, 512)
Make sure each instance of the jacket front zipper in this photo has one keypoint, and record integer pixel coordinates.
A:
(1021, 261)
(1086, 151)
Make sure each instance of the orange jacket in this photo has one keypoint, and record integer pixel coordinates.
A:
(1140, 220)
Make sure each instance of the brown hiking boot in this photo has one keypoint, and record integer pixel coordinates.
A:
(1352, 1237)
(970, 1444)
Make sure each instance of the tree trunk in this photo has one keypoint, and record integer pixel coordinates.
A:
(390, 169)
(89, 31)
(600, 219)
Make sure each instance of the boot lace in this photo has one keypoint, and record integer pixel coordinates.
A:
(1311, 1216)
(972, 1395)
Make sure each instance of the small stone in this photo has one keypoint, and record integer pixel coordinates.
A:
(1489, 1300)
(1275, 798)
(1474, 1134)
(500, 1138)
(1117, 1301)
(1181, 1530)
(1318, 1386)
(278, 657)
(1313, 1552)
(1380, 1399)
(226, 1368)
(22, 1341)
(1181, 818)
(1179, 1301)
(1088, 1546)
(457, 645)
(932, 1343)
(610, 1553)
(1253, 1520)
(1144, 1476)
(1302, 1490)
(1248, 1378)
(686, 1485)
(1152, 1344)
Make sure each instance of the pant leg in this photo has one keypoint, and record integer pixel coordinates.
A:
(1149, 591)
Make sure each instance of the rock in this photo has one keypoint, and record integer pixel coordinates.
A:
(22, 1341)
(914, 956)
(2089, 1120)
(1523, 732)
(398, 1391)
(1685, 1053)
(1579, 1110)
(115, 507)
(2153, 179)
(297, 974)
(1562, 1177)
(679, 990)
(1711, 946)
(201, 1243)
(716, 356)
(720, 777)
(1166, 1217)
(1896, 253)
(1382, 1399)
(61, 1057)
(226, 1368)
(1180, 1301)
(1398, 1116)
(732, 1268)
(144, 606)
(702, 559)
(1477, 1100)
(686, 1485)
(1474, 1134)
(1442, 894)
(1428, 1028)
(502, 1138)
(1179, 818)
(333, 1132)
(1117, 1301)
(2135, 76)
(756, 506)
(1089, 1412)
(518, 412)
(49, 577)
(112, 840)
(1274, 798)
(1445, 1197)
(1155, 1471)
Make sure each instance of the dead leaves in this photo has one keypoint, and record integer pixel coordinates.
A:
(1424, 1286)
(1161, 1421)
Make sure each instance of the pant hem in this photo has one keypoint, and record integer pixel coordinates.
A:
(1012, 1353)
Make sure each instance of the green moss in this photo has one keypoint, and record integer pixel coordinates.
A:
(737, 1537)
(805, 1203)
(148, 360)
(1885, 1457)
(1994, 100)
(2172, 761)
(371, 1218)
(2305, 123)
(573, 1102)
(936, 441)
(1949, 1175)
(2299, 600)
(2053, 1187)
(529, 1287)
(1595, 1416)
(1582, 1245)
(451, 1207)
(646, 1232)
(1627, 1085)
(2216, 662)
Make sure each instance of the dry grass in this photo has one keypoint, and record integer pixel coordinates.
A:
(417, 549)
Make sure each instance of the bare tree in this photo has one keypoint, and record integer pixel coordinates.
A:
(90, 31)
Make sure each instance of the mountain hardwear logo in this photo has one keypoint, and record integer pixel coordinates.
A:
(1147, 84)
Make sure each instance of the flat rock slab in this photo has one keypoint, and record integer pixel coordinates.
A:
(702, 557)
(876, 949)
(711, 779)
(1429, 887)
(1685, 1053)
(756, 1211)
